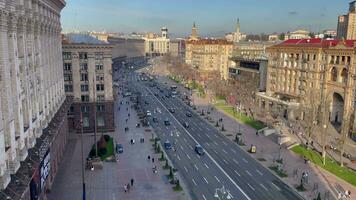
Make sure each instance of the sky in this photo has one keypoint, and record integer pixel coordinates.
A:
(212, 17)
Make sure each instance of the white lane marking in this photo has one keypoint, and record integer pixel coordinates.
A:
(185, 140)
(216, 135)
(200, 128)
(196, 167)
(207, 128)
(194, 182)
(206, 165)
(235, 161)
(263, 187)
(186, 170)
(216, 143)
(217, 179)
(233, 150)
(208, 144)
(224, 151)
(224, 143)
(211, 158)
(244, 160)
(203, 197)
(279, 189)
(237, 173)
(215, 151)
(248, 173)
(225, 161)
(191, 148)
(181, 147)
(205, 180)
(258, 171)
(251, 187)
(178, 157)
(198, 156)
(208, 136)
(188, 156)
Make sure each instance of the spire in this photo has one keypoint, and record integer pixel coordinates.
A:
(238, 26)
(193, 24)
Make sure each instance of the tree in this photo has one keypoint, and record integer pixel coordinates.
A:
(282, 36)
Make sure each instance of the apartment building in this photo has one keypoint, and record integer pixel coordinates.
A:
(33, 123)
(157, 45)
(346, 26)
(87, 68)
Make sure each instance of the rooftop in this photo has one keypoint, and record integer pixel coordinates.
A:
(317, 42)
(209, 41)
(77, 38)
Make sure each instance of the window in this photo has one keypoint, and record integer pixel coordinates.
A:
(100, 108)
(344, 75)
(68, 88)
(99, 87)
(67, 55)
(99, 55)
(99, 66)
(71, 109)
(100, 98)
(85, 122)
(83, 66)
(84, 109)
(83, 55)
(67, 66)
(100, 121)
(100, 77)
(85, 98)
(67, 77)
(333, 74)
(84, 88)
(83, 77)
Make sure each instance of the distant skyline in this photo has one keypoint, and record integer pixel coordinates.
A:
(213, 17)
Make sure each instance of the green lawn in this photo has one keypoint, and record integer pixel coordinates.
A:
(220, 97)
(330, 165)
(239, 116)
(109, 149)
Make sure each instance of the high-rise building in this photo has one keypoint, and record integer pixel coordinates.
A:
(346, 26)
(33, 122)
(87, 64)
(157, 45)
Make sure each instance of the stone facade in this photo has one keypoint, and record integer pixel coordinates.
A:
(31, 81)
(297, 68)
(88, 79)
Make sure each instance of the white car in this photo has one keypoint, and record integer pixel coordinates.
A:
(148, 113)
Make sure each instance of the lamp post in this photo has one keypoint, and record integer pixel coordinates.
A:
(82, 151)
(225, 194)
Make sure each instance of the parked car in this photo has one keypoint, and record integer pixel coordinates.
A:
(199, 149)
(119, 148)
(171, 110)
(148, 113)
(186, 124)
(188, 114)
(155, 119)
(167, 145)
(146, 102)
(167, 122)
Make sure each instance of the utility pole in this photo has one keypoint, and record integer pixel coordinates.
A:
(82, 150)
(94, 99)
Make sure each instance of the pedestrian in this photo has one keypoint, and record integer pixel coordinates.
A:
(131, 141)
(132, 182)
(153, 159)
(128, 187)
(125, 188)
(257, 133)
(149, 157)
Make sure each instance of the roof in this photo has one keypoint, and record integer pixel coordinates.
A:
(209, 41)
(77, 38)
(316, 42)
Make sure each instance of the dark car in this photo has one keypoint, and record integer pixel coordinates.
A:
(167, 122)
(199, 149)
(119, 148)
(146, 102)
(167, 145)
(167, 95)
(155, 119)
(171, 110)
(188, 114)
(186, 124)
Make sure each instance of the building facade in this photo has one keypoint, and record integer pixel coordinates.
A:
(346, 26)
(32, 126)
(298, 34)
(157, 45)
(87, 71)
(299, 68)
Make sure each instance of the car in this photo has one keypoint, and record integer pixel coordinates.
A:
(167, 145)
(186, 124)
(199, 150)
(188, 114)
(171, 110)
(161, 90)
(148, 113)
(146, 102)
(155, 119)
(167, 122)
(167, 95)
(119, 148)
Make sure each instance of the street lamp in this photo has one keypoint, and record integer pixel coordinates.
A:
(82, 151)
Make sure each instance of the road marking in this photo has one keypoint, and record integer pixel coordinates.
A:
(215, 151)
(208, 144)
(185, 140)
(200, 128)
(258, 171)
(248, 173)
(178, 157)
(237, 173)
(217, 179)
(181, 147)
(208, 136)
(196, 167)
(203, 197)
(263, 187)
(224, 143)
(194, 182)
(206, 165)
(205, 180)
(188, 156)
(191, 148)
(235, 161)
(251, 187)
(216, 135)
(233, 150)
(225, 161)
(224, 151)
(244, 160)
(216, 143)
(186, 170)
(279, 189)
(211, 158)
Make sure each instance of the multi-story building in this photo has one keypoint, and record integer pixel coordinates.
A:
(346, 26)
(176, 47)
(127, 47)
(157, 45)
(87, 65)
(33, 123)
(298, 34)
(209, 55)
(251, 50)
(298, 69)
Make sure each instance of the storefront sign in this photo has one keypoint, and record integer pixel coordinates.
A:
(45, 168)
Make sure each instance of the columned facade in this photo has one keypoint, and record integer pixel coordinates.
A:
(31, 80)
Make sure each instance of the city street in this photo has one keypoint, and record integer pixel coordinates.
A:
(223, 165)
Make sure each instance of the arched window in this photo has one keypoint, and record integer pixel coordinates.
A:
(344, 74)
(333, 74)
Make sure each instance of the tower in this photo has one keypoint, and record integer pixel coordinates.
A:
(194, 35)
(237, 34)
(164, 32)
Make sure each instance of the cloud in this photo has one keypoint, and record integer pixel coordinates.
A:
(293, 13)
